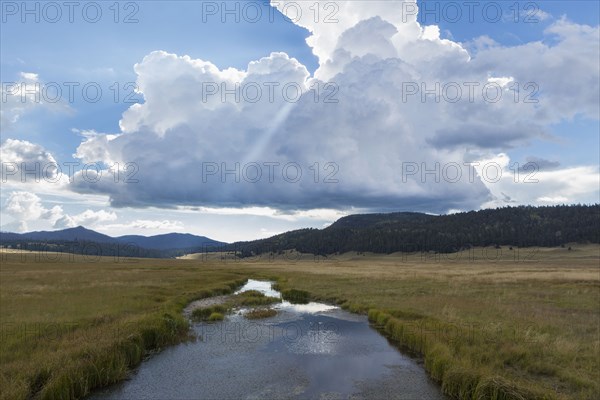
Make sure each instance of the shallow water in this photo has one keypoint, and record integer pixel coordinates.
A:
(306, 351)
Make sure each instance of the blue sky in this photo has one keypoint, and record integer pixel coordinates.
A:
(105, 53)
(519, 21)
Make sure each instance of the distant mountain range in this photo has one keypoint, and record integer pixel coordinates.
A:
(66, 235)
(167, 245)
(523, 226)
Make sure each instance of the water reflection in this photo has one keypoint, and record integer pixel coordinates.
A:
(264, 287)
(267, 289)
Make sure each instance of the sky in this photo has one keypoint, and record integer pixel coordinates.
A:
(242, 119)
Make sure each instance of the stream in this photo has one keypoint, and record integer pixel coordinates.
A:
(306, 351)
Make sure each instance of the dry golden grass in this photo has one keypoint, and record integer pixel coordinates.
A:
(524, 324)
(69, 324)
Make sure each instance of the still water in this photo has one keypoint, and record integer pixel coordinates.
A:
(310, 351)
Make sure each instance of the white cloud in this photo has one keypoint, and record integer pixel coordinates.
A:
(91, 218)
(23, 160)
(501, 80)
(30, 167)
(30, 76)
(95, 147)
(145, 224)
(25, 207)
(535, 14)
(565, 73)
(510, 185)
(374, 54)
(65, 221)
(553, 200)
(23, 96)
(88, 218)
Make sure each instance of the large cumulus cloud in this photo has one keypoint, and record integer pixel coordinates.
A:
(356, 118)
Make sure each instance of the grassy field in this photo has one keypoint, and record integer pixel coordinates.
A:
(72, 324)
(521, 323)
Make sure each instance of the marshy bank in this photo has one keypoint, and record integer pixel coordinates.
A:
(307, 350)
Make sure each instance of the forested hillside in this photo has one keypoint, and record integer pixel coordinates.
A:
(388, 233)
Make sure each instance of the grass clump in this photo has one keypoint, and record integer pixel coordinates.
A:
(216, 316)
(260, 313)
(296, 296)
(251, 293)
(276, 286)
(204, 314)
(252, 298)
(249, 298)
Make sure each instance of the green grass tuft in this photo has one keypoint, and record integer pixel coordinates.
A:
(216, 316)
(251, 298)
(203, 314)
(295, 296)
(260, 313)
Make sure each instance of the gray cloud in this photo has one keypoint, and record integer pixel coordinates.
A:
(539, 164)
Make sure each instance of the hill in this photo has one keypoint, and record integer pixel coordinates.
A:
(170, 241)
(84, 241)
(410, 232)
(78, 234)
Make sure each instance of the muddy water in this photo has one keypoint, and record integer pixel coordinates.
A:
(311, 351)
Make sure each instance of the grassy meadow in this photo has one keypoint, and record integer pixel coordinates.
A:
(69, 324)
(489, 324)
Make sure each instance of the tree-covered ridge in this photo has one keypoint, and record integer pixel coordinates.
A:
(387, 233)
